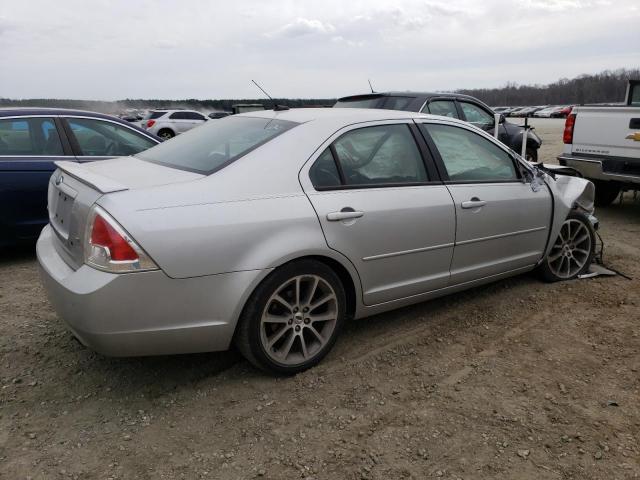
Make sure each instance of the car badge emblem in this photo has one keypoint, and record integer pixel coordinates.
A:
(634, 136)
(59, 180)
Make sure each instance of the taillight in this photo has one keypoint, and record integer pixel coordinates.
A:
(569, 123)
(108, 247)
(150, 123)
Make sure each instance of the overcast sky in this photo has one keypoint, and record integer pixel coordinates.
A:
(114, 49)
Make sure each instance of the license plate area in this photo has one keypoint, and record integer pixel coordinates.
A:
(60, 206)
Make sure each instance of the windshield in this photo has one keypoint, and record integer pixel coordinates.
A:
(214, 145)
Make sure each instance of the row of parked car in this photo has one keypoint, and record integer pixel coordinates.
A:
(541, 111)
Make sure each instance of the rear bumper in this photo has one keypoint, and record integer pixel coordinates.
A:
(145, 313)
(592, 168)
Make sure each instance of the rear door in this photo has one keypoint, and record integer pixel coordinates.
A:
(28, 148)
(502, 220)
(382, 205)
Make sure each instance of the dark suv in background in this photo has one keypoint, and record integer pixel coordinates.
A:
(454, 105)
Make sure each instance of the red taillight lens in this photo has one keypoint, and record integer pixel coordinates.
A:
(104, 235)
(150, 123)
(569, 123)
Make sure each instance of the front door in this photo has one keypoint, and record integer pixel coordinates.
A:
(380, 205)
(502, 220)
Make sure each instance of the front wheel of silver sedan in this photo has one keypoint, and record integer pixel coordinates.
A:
(573, 250)
(293, 318)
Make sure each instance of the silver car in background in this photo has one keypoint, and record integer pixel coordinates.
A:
(269, 229)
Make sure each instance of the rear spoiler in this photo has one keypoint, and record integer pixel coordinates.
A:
(100, 183)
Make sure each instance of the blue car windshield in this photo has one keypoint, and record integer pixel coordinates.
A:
(214, 145)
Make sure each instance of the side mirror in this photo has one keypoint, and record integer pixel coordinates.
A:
(502, 118)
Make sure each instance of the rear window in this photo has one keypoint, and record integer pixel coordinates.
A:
(358, 102)
(216, 144)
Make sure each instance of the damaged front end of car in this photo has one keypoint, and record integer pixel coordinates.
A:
(569, 193)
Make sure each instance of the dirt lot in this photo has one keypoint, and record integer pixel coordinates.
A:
(519, 379)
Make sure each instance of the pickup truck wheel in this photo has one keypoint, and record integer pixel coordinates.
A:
(572, 252)
(606, 192)
(531, 155)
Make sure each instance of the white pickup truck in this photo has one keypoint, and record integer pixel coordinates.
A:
(602, 142)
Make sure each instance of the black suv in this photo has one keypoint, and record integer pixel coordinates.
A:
(454, 105)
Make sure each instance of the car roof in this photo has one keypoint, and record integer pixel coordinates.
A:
(425, 95)
(14, 111)
(345, 115)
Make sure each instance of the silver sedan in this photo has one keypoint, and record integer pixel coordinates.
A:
(270, 229)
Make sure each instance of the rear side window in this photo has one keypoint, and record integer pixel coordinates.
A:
(324, 173)
(29, 136)
(468, 157)
(634, 96)
(214, 145)
(444, 108)
(371, 156)
(155, 115)
(98, 138)
(179, 116)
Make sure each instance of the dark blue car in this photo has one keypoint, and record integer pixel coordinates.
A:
(32, 139)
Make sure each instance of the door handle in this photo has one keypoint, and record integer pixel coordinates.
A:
(475, 202)
(346, 213)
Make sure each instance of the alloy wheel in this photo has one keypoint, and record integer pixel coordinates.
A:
(298, 319)
(572, 249)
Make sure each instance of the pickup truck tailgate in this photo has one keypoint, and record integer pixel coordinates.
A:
(601, 130)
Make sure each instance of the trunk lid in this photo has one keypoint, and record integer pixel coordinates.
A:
(75, 187)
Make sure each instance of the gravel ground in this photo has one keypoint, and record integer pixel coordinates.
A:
(518, 379)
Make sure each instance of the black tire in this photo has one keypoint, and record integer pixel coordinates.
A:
(546, 270)
(606, 192)
(166, 133)
(531, 154)
(248, 336)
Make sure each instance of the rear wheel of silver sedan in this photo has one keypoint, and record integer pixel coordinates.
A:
(293, 318)
(573, 250)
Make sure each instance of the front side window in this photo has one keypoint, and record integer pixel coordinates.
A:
(194, 116)
(29, 136)
(468, 157)
(214, 145)
(385, 154)
(476, 115)
(98, 138)
(444, 108)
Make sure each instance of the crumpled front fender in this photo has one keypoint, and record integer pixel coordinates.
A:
(568, 193)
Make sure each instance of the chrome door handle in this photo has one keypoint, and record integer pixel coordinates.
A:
(475, 202)
(344, 214)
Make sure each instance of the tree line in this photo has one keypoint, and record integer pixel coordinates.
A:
(605, 87)
(608, 86)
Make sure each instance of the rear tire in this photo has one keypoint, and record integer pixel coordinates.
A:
(606, 192)
(573, 250)
(166, 133)
(293, 318)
